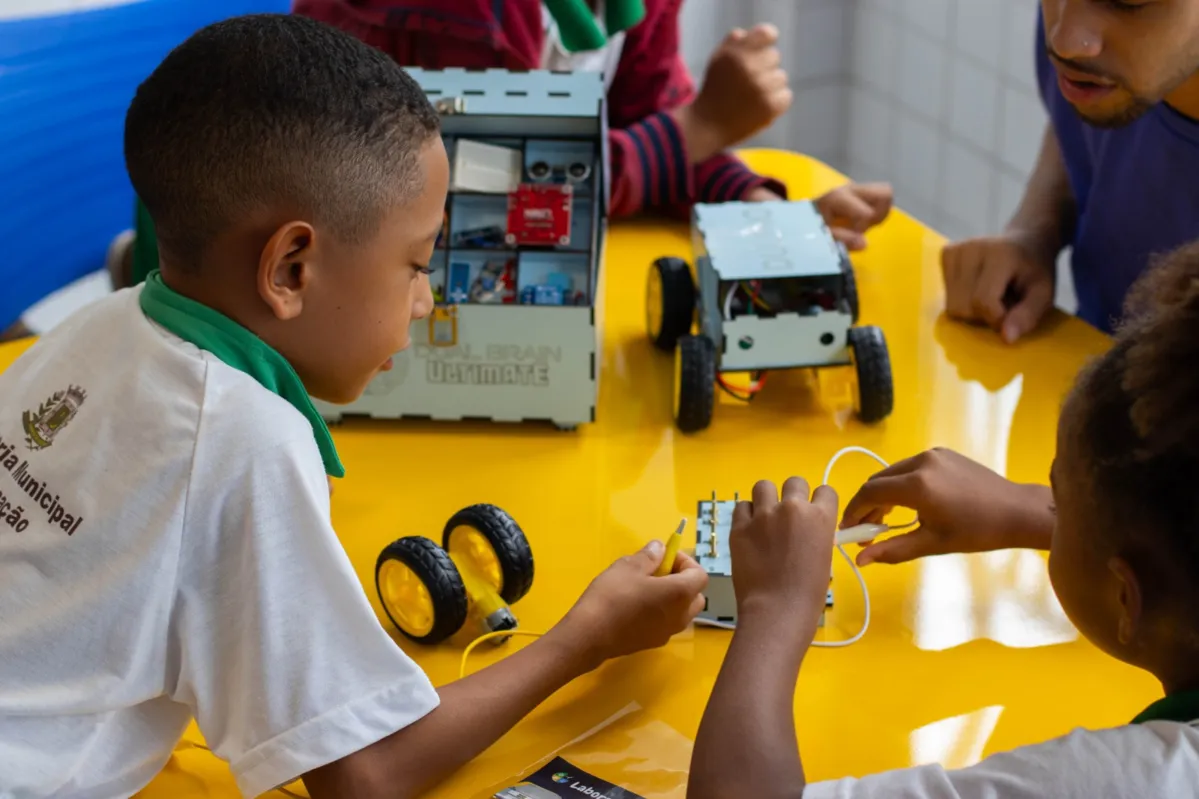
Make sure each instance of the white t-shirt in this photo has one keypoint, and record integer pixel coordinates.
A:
(1154, 760)
(166, 551)
(555, 56)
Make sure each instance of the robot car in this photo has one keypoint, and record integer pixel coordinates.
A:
(772, 290)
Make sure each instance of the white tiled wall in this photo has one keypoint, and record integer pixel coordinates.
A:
(943, 104)
(936, 96)
(816, 52)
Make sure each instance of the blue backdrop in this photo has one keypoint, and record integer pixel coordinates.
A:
(65, 82)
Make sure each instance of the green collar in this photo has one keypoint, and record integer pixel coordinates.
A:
(237, 347)
(1181, 707)
(578, 28)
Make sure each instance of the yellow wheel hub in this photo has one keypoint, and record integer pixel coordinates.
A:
(653, 303)
(406, 598)
(678, 378)
(468, 545)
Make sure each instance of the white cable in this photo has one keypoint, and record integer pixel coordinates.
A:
(720, 625)
(728, 302)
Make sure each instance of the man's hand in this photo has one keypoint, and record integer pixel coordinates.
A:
(627, 609)
(851, 210)
(744, 90)
(963, 507)
(1003, 281)
(782, 552)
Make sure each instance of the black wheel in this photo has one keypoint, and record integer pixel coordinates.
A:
(669, 302)
(694, 383)
(851, 285)
(490, 539)
(876, 393)
(420, 590)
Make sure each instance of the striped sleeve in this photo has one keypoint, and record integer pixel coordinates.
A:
(650, 169)
(725, 177)
(649, 166)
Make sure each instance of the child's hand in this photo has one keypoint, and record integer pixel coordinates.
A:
(744, 90)
(851, 210)
(782, 551)
(963, 507)
(626, 609)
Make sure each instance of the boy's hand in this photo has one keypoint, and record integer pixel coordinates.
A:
(627, 609)
(963, 507)
(744, 90)
(782, 551)
(851, 210)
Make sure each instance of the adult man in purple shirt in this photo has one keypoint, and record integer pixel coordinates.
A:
(1117, 178)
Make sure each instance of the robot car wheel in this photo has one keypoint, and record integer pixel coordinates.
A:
(694, 383)
(669, 302)
(875, 390)
(851, 285)
(493, 542)
(420, 589)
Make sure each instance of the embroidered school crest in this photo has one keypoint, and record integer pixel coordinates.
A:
(52, 416)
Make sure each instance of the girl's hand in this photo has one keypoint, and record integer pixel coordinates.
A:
(963, 507)
(782, 552)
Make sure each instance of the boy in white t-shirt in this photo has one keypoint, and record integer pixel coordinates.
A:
(165, 543)
(1120, 526)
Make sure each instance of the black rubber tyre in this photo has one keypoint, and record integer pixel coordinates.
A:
(432, 566)
(851, 286)
(675, 307)
(876, 392)
(506, 538)
(695, 383)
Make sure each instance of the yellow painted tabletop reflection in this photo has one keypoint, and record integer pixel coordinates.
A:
(966, 655)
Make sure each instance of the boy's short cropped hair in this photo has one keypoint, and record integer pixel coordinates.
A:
(273, 110)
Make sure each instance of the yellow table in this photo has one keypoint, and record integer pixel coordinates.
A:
(966, 655)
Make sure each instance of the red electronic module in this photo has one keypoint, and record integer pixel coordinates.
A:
(539, 214)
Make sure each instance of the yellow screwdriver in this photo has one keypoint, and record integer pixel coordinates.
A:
(672, 550)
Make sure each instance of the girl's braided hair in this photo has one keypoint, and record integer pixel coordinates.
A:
(1139, 426)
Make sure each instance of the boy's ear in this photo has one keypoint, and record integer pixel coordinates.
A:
(1130, 598)
(285, 269)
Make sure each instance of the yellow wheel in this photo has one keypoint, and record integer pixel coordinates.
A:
(493, 543)
(653, 304)
(421, 590)
(669, 302)
(678, 380)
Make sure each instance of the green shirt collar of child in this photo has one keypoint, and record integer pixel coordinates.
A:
(1182, 707)
(579, 29)
(240, 349)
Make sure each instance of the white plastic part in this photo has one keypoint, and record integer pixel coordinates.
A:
(860, 533)
(485, 168)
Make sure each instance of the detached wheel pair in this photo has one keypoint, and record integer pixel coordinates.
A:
(421, 588)
(696, 367)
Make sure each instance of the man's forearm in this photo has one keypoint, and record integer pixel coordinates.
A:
(473, 714)
(746, 744)
(1047, 213)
